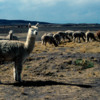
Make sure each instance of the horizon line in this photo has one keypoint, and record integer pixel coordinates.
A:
(46, 21)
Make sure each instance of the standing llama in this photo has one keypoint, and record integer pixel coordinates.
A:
(17, 51)
(8, 37)
(11, 36)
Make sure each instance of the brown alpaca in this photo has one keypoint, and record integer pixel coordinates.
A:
(17, 51)
(98, 34)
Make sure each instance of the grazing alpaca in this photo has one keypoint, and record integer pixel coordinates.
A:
(89, 35)
(78, 34)
(98, 34)
(63, 35)
(17, 51)
(57, 37)
(70, 33)
(48, 38)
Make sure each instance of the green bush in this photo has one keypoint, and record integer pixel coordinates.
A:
(84, 63)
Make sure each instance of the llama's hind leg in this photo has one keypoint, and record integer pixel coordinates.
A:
(17, 71)
(83, 38)
(79, 41)
(74, 39)
(87, 39)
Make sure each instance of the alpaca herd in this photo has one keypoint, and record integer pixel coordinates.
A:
(13, 50)
(71, 36)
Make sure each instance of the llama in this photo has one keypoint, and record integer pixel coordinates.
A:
(89, 35)
(57, 37)
(18, 51)
(70, 33)
(78, 34)
(63, 35)
(11, 36)
(48, 38)
(8, 37)
(98, 34)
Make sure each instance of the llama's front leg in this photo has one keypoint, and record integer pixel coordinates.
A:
(79, 40)
(42, 43)
(87, 38)
(17, 72)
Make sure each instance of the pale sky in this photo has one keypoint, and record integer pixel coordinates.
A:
(53, 11)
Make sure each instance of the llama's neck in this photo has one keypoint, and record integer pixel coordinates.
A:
(29, 44)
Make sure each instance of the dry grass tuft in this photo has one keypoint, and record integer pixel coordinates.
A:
(92, 47)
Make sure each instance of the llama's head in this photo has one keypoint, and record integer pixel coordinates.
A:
(33, 30)
(11, 31)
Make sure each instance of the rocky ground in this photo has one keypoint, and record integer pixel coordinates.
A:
(70, 71)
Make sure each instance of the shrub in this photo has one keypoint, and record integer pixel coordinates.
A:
(84, 63)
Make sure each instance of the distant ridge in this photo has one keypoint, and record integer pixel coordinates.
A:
(19, 22)
(25, 22)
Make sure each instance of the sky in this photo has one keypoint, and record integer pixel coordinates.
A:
(53, 11)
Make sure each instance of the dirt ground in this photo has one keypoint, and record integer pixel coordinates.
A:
(55, 73)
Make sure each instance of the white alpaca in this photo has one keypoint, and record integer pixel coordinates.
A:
(17, 51)
(8, 37)
(11, 36)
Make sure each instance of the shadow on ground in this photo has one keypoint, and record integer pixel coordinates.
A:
(45, 83)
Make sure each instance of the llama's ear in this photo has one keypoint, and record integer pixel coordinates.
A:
(29, 25)
(37, 25)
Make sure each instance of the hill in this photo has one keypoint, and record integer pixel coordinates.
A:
(19, 22)
(25, 22)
